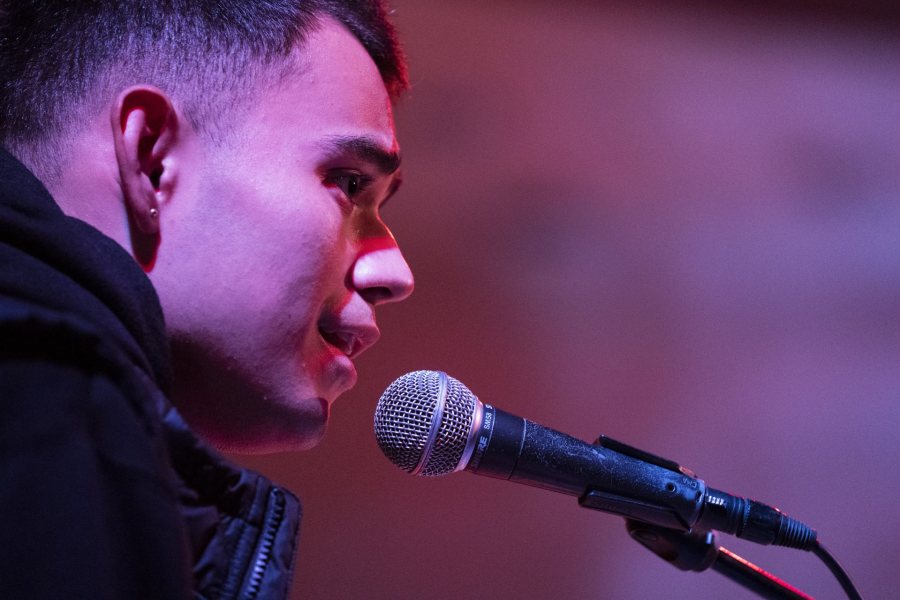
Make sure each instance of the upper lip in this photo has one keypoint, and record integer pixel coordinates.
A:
(351, 338)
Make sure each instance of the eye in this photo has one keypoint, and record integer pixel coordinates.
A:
(351, 184)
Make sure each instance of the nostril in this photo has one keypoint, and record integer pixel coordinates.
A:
(376, 295)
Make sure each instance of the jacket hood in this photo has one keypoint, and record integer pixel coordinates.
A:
(62, 263)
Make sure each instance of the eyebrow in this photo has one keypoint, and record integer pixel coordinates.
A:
(365, 149)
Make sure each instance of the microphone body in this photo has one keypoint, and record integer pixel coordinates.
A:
(451, 430)
(612, 477)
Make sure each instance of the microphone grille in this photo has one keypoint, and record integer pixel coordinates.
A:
(404, 418)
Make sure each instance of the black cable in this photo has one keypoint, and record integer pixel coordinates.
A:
(838, 571)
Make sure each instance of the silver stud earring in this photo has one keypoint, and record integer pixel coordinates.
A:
(154, 213)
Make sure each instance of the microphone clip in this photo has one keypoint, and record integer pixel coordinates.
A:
(673, 495)
(605, 441)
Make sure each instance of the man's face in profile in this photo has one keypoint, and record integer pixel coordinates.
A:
(270, 265)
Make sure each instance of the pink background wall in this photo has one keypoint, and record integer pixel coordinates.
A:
(677, 224)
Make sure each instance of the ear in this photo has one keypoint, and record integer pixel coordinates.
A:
(145, 130)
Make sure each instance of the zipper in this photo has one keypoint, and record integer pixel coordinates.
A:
(271, 524)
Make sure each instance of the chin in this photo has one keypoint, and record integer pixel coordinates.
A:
(263, 439)
(243, 415)
(260, 427)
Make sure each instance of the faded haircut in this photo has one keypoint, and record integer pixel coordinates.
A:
(62, 59)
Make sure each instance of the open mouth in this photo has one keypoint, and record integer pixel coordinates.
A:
(345, 342)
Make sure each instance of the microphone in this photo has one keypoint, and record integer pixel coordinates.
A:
(428, 423)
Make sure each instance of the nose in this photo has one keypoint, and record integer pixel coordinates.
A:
(381, 274)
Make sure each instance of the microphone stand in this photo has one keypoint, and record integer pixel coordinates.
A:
(699, 550)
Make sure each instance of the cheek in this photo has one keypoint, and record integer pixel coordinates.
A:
(258, 255)
(280, 229)
(317, 264)
(298, 258)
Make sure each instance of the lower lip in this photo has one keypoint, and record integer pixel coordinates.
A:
(340, 373)
(326, 408)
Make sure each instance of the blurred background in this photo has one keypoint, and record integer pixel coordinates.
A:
(675, 223)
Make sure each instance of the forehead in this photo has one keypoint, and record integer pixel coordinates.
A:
(332, 90)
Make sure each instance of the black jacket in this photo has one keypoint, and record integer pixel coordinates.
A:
(104, 491)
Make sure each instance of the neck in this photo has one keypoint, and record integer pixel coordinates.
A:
(86, 187)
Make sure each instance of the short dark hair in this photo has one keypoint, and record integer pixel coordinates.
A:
(58, 57)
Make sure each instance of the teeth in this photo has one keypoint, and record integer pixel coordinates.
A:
(344, 342)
